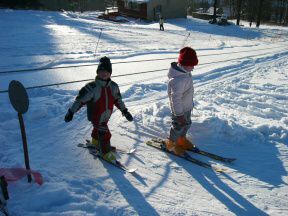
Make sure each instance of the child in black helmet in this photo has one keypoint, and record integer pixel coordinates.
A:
(100, 96)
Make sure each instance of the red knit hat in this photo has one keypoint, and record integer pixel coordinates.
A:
(187, 57)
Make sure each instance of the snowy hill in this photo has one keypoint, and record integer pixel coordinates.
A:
(241, 103)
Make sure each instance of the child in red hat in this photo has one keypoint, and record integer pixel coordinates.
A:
(180, 92)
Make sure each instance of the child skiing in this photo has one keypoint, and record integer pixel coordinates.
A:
(180, 93)
(100, 96)
(161, 23)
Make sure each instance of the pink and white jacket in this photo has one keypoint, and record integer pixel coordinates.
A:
(180, 90)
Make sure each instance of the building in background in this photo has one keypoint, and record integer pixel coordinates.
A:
(153, 9)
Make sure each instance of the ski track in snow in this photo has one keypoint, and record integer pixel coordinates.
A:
(240, 111)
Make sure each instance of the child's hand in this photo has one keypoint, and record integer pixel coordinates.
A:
(69, 116)
(127, 115)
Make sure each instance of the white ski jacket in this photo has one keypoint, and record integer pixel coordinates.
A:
(180, 90)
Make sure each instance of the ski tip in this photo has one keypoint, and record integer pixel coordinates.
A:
(131, 151)
(131, 170)
(219, 170)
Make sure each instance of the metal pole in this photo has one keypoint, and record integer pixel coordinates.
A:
(4, 189)
(25, 146)
(98, 42)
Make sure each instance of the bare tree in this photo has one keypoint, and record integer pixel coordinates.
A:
(110, 3)
(239, 7)
(282, 9)
(276, 11)
(214, 12)
(259, 13)
(286, 13)
(232, 7)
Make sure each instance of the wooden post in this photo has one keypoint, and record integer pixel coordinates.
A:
(25, 146)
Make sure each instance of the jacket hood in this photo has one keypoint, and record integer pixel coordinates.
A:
(175, 71)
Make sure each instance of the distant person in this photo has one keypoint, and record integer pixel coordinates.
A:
(161, 23)
(250, 24)
(180, 93)
(100, 96)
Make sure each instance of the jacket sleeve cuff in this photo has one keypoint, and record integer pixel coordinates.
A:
(179, 114)
(124, 110)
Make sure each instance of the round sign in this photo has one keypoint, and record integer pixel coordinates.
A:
(18, 96)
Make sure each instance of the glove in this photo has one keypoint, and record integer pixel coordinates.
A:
(127, 115)
(181, 120)
(69, 116)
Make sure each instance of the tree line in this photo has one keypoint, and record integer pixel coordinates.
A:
(256, 11)
(73, 5)
(21, 4)
(268, 11)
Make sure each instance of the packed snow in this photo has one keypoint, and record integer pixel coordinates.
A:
(241, 103)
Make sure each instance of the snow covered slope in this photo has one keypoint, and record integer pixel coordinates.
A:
(241, 103)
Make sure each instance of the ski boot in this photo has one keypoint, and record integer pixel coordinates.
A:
(184, 143)
(173, 147)
(96, 143)
(110, 157)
